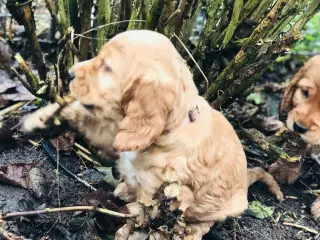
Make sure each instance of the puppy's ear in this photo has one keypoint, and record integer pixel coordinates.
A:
(286, 104)
(146, 105)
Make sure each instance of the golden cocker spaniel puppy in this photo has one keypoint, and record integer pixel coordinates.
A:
(138, 96)
(300, 109)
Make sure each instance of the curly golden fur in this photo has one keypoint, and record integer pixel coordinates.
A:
(136, 96)
(300, 109)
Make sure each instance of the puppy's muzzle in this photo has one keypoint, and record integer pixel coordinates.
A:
(299, 128)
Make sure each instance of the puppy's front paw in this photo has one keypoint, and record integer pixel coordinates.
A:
(124, 232)
(315, 209)
(139, 212)
(36, 120)
(123, 192)
(285, 172)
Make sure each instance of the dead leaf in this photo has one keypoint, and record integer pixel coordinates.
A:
(36, 183)
(271, 124)
(6, 84)
(15, 174)
(103, 222)
(3, 103)
(257, 210)
(108, 175)
(64, 142)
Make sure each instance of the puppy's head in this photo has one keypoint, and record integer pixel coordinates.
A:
(136, 71)
(300, 106)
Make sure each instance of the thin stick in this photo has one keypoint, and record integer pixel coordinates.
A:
(65, 209)
(32, 79)
(301, 227)
(24, 83)
(51, 155)
(195, 62)
(82, 36)
(89, 159)
(108, 24)
(12, 108)
(82, 148)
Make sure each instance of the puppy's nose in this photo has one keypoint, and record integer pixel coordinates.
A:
(299, 128)
(71, 75)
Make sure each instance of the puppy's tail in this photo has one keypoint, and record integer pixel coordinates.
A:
(258, 174)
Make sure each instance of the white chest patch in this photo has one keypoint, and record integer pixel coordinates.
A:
(126, 167)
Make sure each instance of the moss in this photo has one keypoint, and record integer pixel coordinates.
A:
(233, 23)
(104, 15)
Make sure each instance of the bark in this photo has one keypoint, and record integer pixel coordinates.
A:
(23, 14)
(85, 19)
(104, 14)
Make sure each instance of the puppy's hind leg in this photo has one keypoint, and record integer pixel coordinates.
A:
(198, 230)
(125, 193)
(258, 174)
(315, 209)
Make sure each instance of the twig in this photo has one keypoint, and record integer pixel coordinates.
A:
(12, 108)
(301, 227)
(92, 38)
(268, 147)
(190, 55)
(89, 159)
(82, 148)
(51, 153)
(35, 144)
(108, 24)
(23, 14)
(32, 79)
(65, 209)
(315, 192)
(24, 83)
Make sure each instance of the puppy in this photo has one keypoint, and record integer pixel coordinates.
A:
(300, 108)
(139, 97)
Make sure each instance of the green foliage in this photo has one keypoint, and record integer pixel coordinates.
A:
(257, 210)
(257, 98)
(311, 39)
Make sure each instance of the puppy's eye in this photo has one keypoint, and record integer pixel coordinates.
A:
(305, 93)
(88, 106)
(107, 68)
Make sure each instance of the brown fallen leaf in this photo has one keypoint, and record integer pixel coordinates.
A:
(271, 124)
(6, 83)
(64, 142)
(15, 174)
(103, 222)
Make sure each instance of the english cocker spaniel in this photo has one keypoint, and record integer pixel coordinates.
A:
(138, 96)
(300, 109)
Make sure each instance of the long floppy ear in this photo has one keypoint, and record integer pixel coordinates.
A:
(146, 103)
(286, 104)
